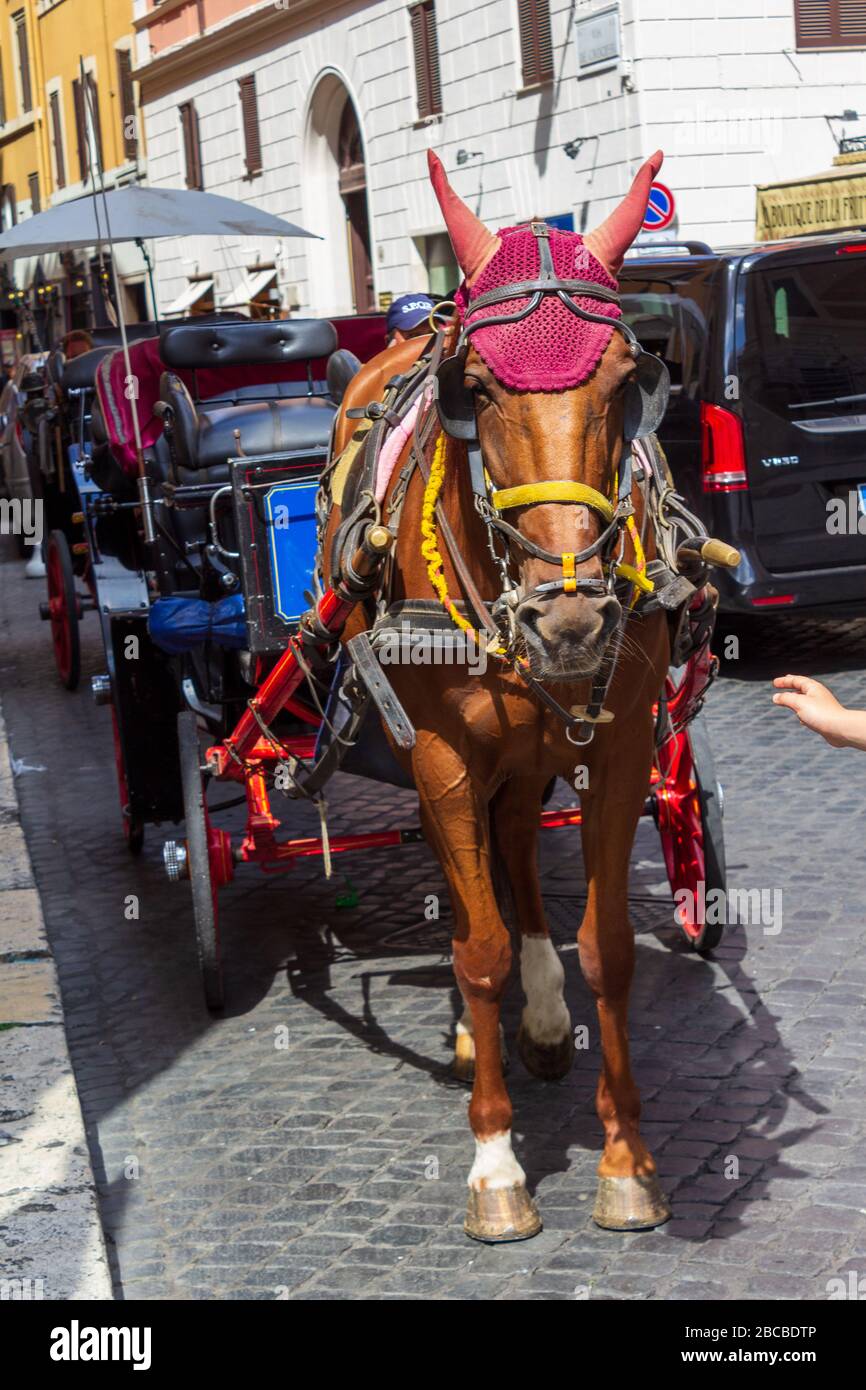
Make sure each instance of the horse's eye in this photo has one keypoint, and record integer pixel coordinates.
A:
(480, 394)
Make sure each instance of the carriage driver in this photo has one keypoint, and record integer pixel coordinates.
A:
(408, 317)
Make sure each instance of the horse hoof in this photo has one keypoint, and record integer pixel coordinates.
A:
(498, 1214)
(544, 1062)
(630, 1204)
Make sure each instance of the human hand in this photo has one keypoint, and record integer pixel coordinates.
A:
(815, 706)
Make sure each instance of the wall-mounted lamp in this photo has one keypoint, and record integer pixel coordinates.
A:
(464, 156)
(574, 147)
(845, 116)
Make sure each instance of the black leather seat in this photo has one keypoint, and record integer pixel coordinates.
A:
(202, 440)
(80, 372)
(265, 427)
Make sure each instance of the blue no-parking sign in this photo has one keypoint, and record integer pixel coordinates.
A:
(660, 209)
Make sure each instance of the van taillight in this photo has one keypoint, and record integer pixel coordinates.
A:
(723, 456)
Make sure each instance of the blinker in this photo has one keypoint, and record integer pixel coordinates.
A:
(454, 402)
(646, 397)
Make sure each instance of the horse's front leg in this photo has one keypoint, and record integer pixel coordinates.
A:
(629, 1195)
(455, 818)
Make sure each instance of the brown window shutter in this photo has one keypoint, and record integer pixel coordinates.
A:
(93, 106)
(830, 23)
(191, 145)
(57, 140)
(80, 128)
(536, 41)
(35, 204)
(23, 61)
(250, 117)
(126, 90)
(425, 47)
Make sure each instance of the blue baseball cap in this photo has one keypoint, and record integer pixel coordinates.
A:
(408, 311)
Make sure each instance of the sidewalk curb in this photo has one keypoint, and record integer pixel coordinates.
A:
(51, 1238)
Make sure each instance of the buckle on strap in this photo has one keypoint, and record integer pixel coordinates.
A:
(569, 577)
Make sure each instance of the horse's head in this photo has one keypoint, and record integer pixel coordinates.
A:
(545, 391)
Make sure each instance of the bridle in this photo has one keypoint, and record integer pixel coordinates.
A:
(646, 401)
(645, 404)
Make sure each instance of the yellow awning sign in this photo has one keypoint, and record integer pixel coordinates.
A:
(831, 202)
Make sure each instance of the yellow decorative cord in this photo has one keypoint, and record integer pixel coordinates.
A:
(430, 548)
(633, 573)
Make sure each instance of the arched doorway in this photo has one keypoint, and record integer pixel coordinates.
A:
(335, 203)
(353, 191)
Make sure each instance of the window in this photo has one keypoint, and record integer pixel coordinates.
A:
(830, 23)
(35, 204)
(536, 43)
(20, 22)
(191, 144)
(802, 355)
(669, 317)
(57, 140)
(250, 118)
(80, 129)
(8, 206)
(92, 109)
(127, 103)
(88, 131)
(426, 51)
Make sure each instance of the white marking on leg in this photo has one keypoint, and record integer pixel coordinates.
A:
(545, 1017)
(464, 1024)
(495, 1164)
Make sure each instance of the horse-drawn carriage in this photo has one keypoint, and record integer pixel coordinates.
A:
(171, 610)
(206, 625)
(253, 555)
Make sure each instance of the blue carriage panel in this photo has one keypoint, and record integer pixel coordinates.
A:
(290, 513)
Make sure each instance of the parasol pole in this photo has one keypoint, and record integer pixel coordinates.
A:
(144, 496)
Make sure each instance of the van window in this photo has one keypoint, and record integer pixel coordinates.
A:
(803, 351)
(668, 316)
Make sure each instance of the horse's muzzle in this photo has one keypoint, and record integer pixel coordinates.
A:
(566, 634)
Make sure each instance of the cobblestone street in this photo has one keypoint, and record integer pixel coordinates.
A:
(312, 1144)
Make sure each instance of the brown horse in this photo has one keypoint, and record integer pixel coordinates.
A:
(487, 745)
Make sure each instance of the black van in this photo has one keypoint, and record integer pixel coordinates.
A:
(766, 428)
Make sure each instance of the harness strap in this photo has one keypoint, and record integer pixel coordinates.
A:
(560, 491)
(584, 289)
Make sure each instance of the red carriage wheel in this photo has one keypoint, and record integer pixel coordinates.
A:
(133, 826)
(209, 861)
(688, 811)
(64, 609)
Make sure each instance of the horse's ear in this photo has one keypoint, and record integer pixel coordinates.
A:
(609, 242)
(474, 245)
